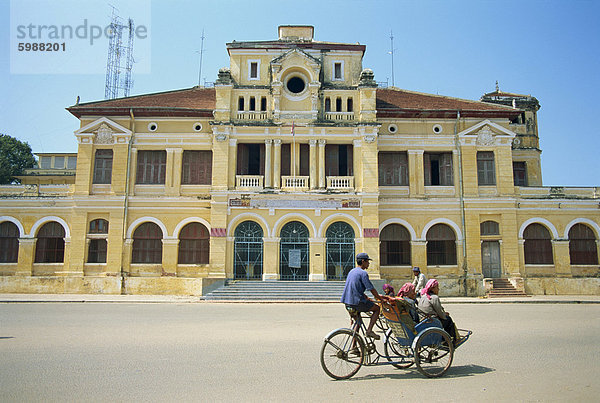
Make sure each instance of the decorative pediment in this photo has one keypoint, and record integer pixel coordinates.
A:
(486, 133)
(295, 58)
(104, 135)
(103, 131)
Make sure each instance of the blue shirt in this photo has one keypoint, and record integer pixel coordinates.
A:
(357, 283)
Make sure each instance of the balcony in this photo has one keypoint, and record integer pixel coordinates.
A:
(340, 182)
(46, 190)
(558, 192)
(337, 116)
(294, 183)
(252, 115)
(249, 182)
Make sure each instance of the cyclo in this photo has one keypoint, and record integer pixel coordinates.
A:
(425, 344)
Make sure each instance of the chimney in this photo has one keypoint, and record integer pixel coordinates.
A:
(296, 32)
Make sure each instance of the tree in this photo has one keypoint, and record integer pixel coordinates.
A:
(15, 157)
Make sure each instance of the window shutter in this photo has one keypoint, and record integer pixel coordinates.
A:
(350, 159)
(242, 159)
(331, 160)
(403, 169)
(427, 169)
(304, 160)
(446, 177)
(262, 159)
(286, 159)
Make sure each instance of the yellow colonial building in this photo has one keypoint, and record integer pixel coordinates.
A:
(291, 164)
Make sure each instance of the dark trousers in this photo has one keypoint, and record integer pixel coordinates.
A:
(449, 327)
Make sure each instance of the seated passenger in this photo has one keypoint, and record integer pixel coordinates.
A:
(430, 304)
(407, 292)
(388, 290)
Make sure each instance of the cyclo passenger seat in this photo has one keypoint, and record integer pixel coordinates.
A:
(398, 312)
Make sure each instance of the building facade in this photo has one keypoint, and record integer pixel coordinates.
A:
(291, 164)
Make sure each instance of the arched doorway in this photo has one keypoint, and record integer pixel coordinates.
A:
(490, 250)
(293, 246)
(248, 251)
(340, 250)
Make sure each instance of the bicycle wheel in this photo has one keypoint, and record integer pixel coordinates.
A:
(401, 356)
(342, 354)
(433, 352)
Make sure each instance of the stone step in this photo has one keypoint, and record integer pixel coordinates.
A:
(238, 290)
(503, 288)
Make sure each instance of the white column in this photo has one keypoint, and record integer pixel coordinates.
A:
(313, 163)
(277, 164)
(322, 182)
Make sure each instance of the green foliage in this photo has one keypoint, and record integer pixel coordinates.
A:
(15, 157)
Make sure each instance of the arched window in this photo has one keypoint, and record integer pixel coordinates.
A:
(50, 246)
(582, 245)
(97, 235)
(489, 228)
(394, 246)
(441, 246)
(9, 242)
(538, 245)
(194, 242)
(147, 244)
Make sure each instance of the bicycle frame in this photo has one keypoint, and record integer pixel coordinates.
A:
(360, 330)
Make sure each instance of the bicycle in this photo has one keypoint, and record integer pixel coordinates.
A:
(426, 344)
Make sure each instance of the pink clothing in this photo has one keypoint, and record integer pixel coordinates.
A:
(406, 289)
(430, 284)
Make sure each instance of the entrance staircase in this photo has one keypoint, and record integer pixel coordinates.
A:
(503, 288)
(280, 291)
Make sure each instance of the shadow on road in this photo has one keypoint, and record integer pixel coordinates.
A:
(459, 371)
(6, 337)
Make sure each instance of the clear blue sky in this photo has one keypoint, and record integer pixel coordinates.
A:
(549, 49)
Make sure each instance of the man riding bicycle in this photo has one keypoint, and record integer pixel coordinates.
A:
(357, 282)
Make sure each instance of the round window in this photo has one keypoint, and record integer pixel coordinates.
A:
(437, 129)
(197, 126)
(295, 85)
(392, 128)
(152, 126)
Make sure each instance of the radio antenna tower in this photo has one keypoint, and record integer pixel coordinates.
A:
(391, 52)
(201, 53)
(118, 76)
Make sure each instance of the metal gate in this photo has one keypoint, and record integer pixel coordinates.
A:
(293, 246)
(340, 250)
(248, 251)
(490, 259)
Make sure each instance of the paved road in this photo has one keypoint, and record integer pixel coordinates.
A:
(226, 352)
